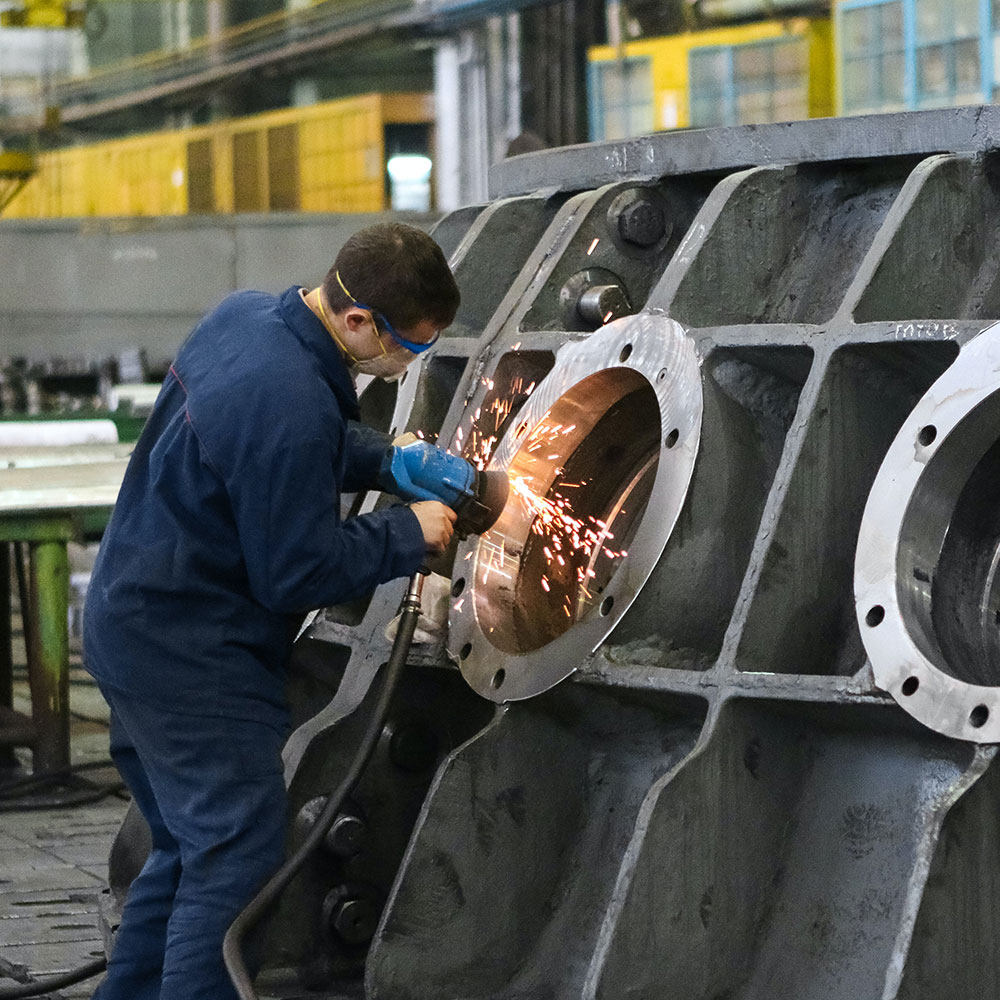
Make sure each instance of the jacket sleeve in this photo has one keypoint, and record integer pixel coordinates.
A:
(298, 553)
(365, 447)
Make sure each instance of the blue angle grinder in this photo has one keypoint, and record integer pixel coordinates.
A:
(422, 471)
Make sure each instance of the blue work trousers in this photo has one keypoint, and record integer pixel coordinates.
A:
(212, 792)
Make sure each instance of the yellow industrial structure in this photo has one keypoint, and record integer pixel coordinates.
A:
(44, 14)
(326, 157)
(16, 169)
(775, 70)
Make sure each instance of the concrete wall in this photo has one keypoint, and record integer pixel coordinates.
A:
(90, 289)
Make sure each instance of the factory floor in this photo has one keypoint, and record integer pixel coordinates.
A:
(54, 861)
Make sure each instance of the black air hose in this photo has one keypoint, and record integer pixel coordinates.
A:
(52, 983)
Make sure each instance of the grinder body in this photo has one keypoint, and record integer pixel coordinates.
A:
(422, 471)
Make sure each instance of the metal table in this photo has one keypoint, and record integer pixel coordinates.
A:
(48, 496)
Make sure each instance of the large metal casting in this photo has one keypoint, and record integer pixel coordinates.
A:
(687, 776)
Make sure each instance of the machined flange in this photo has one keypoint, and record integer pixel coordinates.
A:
(926, 579)
(600, 459)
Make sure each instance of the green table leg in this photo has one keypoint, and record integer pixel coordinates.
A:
(48, 660)
(7, 758)
(6, 637)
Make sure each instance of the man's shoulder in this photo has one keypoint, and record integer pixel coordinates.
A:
(245, 372)
(244, 311)
(241, 337)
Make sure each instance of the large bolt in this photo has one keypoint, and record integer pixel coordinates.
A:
(641, 223)
(354, 920)
(600, 304)
(347, 833)
(346, 836)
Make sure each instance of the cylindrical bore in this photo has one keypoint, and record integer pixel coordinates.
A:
(590, 463)
(946, 568)
(596, 430)
(926, 577)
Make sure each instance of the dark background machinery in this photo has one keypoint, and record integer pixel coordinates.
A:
(726, 796)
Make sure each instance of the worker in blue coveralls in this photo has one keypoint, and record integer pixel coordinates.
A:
(227, 529)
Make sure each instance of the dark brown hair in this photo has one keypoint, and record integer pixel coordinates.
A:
(396, 270)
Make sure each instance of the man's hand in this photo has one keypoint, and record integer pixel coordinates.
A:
(437, 522)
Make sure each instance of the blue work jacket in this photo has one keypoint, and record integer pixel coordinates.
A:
(228, 524)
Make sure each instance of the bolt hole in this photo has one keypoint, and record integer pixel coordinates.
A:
(875, 616)
(607, 604)
(498, 679)
(661, 374)
(405, 373)
(921, 575)
(463, 653)
(927, 435)
(521, 429)
(671, 439)
(458, 586)
(910, 686)
(978, 716)
(626, 353)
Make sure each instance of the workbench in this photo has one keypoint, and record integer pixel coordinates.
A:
(48, 496)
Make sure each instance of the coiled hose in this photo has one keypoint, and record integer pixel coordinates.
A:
(232, 947)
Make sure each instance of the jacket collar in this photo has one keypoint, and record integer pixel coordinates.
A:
(316, 338)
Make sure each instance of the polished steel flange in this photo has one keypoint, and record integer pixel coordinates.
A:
(926, 578)
(607, 443)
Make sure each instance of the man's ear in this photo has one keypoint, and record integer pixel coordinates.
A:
(356, 319)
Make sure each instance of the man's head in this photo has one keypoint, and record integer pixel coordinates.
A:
(391, 292)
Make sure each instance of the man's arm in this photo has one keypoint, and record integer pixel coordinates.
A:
(297, 552)
(365, 447)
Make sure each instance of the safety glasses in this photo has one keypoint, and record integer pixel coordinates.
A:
(381, 321)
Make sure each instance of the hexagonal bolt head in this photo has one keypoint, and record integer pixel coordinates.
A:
(346, 836)
(355, 920)
(641, 223)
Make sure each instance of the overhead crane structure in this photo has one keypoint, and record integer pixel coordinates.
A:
(273, 42)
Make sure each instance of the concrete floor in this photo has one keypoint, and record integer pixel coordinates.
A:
(53, 862)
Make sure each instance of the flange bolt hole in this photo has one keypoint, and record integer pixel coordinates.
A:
(606, 605)
(978, 716)
(625, 354)
(458, 586)
(875, 616)
(463, 653)
(926, 435)
(498, 678)
(671, 439)
(910, 686)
